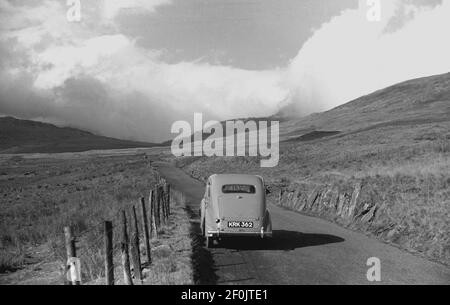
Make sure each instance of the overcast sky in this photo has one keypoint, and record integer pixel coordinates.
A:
(130, 68)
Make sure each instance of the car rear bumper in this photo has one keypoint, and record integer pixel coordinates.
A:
(261, 234)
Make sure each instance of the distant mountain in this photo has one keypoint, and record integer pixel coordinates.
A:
(418, 101)
(25, 136)
(414, 102)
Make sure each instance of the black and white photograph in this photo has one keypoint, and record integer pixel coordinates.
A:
(224, 151)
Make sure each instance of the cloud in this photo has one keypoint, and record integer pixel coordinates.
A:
(111, 8)
(59, 63)
(141, 95)
(93, 76)
(406, 10)
(220, 91)
(349, 56)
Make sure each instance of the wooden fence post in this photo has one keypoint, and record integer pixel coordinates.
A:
(168, 199)
(164, 203)
(161, 204)
(109, 265)
(150, 199)
(70, 251)
(152, 214)
(161, 199)
(145, 229)
(157, 206)
(135, 253)
(125, 256)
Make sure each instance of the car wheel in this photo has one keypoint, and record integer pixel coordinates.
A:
(203, 228)
(209, 242)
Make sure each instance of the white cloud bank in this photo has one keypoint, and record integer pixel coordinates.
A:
(349, 57)
(94, 77)
(115, 60)
(111, 8)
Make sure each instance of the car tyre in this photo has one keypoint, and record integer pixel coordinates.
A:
(203, 228)
(209, 242)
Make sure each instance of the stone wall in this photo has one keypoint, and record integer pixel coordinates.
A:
(356, 206)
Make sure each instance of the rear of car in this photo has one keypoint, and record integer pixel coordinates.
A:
(235, 205)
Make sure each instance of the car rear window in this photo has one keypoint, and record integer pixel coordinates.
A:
(238, 188)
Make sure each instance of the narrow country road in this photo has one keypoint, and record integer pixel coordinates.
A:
(305, 250)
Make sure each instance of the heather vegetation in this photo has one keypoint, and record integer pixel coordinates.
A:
(41, 195)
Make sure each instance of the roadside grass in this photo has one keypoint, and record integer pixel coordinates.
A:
(11, 261)
(407, 166)
(171, 253)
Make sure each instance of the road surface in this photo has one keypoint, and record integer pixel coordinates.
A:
(304, 250)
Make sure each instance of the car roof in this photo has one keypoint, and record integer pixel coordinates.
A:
(235, 179)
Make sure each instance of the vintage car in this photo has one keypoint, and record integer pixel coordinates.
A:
(234, 205)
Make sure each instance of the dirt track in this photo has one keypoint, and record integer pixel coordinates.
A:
(304, 250)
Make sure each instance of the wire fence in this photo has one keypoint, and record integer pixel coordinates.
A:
(124, 239)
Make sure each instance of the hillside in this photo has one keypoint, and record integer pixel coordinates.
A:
(379, 164)
(417, 101)
(24, 136)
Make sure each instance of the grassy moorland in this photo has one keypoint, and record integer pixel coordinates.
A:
(39, 196)
(395, 141)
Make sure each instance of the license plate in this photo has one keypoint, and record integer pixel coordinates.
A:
(240, 224)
